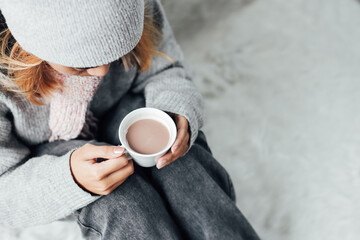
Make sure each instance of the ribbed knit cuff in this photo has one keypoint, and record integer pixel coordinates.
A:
(73, 197)
(174, 103)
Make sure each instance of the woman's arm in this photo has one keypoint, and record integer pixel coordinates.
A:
(34, 190)
(167, 86)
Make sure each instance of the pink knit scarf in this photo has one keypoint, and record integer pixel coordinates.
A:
(69, 105)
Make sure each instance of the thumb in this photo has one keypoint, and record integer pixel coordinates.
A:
(90, 151)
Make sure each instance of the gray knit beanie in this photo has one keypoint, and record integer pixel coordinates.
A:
(75, 33)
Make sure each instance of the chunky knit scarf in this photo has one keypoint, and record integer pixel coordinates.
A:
(69, 115)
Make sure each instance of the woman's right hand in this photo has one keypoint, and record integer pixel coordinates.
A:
(100, 177)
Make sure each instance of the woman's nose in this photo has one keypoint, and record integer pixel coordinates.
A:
(99, 71)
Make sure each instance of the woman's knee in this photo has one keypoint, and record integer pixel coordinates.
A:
(199, 160)
(129, 196)
(134, 208)
(203, 155)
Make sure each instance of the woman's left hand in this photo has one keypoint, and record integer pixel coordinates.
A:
(180, 145)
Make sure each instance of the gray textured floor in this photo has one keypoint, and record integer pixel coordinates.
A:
(281, 81)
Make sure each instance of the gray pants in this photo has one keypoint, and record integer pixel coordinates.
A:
(192, 198)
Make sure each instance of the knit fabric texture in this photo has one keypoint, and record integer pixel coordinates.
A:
(69, 105)
(81, 33)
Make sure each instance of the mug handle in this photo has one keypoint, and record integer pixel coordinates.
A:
(127, 154)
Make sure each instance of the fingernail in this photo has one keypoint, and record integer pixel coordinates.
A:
(118, 150)
(174, 148)
(160, 164)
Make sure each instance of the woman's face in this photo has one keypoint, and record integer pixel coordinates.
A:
(99, 71)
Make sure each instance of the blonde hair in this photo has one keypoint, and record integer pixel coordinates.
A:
(30, 75)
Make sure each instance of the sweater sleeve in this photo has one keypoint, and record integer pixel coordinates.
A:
(37, 190)
(166, 85)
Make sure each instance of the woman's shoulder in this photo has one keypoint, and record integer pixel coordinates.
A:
(11, 100)
(4, 101)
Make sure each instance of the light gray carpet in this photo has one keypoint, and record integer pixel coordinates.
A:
(281, 81)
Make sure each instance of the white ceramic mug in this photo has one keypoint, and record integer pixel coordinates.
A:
(146, 160)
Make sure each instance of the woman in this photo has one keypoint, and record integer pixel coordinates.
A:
(71, 72)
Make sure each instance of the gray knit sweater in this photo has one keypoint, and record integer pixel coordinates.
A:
(40, 190)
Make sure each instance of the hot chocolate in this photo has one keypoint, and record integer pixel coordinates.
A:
(147, 136)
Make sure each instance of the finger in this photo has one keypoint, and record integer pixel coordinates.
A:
(113, 187)
(89, 151)
(166, 157)
(164, 160)
(181, 146)
(171, 157)
(182, 149)
(108, 190)
(120, 175)
(182, 126)
(109, 166)
(118, 183)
